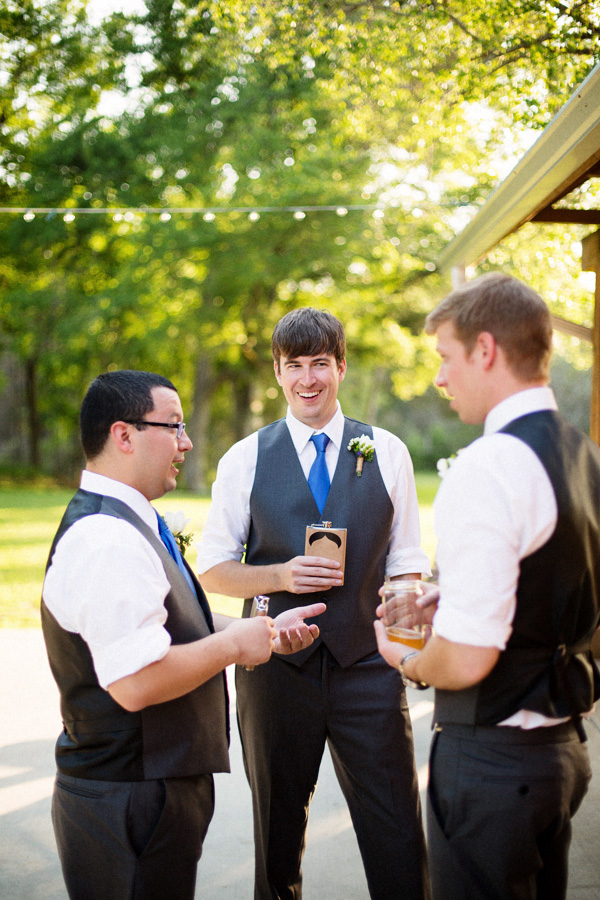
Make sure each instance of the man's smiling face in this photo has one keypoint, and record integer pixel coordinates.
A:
(310, 386)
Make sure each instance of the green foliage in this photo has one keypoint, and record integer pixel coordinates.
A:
(245, 106)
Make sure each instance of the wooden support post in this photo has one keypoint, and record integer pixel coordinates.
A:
(590, 262)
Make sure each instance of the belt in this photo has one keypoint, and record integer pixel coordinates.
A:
(508, 734)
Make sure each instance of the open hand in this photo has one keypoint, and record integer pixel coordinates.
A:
(293, 632)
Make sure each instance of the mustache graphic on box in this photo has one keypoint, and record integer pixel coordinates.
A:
(324, 536)
(324, 540)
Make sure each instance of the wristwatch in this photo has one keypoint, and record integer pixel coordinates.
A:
(406, 681)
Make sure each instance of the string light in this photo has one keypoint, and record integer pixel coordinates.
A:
(165, 213)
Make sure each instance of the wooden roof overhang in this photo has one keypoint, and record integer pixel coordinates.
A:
(565, 156)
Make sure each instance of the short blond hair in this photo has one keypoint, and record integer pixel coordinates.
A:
(508, 309)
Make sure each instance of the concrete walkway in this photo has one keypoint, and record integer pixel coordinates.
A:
(29, 868)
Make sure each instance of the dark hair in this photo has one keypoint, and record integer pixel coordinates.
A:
(308, 332)
(508, 309)
(113, 397)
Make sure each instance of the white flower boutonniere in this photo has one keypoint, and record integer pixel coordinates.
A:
(444, 464)
(364, 448)
(176, 522)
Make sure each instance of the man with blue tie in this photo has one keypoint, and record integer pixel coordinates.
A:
(138, 659)
(269, 488)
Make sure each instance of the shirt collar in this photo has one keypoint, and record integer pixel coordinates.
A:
(301, 433)
(101, 484)
(520, 404)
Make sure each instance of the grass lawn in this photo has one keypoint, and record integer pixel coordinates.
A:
(29, 518)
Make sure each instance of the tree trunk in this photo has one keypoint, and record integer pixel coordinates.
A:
(373, 396)
(33, 419)
(241, 425)
(196, 460)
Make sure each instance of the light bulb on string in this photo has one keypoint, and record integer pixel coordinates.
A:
(165, 214)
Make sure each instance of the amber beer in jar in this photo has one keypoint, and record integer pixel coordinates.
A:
(402, 618)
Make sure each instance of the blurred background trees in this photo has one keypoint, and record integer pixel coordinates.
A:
(235, 160)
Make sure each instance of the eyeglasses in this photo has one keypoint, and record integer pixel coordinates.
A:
(178, 426)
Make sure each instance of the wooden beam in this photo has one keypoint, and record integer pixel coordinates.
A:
(568, 216)
(590, 256)
(583, 332)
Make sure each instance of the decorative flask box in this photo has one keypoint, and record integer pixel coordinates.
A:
(323, 540)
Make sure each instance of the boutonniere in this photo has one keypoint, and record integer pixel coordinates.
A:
(176, 522)
(444, 464)
(364, 448)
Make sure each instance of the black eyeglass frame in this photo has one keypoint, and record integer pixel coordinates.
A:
(179, 426)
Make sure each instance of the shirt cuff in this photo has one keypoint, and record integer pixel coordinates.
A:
(130, 654)
(455, 626)
(411, 559)
(206, 561)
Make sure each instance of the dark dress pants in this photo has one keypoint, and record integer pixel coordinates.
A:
(500, 803)
(136, 840)
(286, 714)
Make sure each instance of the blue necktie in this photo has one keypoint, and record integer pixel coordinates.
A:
(171, 545)
(318, 477)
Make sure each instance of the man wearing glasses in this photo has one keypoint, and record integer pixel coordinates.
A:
(138, 658)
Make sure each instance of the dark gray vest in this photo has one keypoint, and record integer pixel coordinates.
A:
(282, 505)
(101, 740)
(547, 666)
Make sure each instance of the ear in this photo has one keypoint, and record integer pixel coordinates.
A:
(120, 434)
(277, 371)
(487, 348)
(342, 370)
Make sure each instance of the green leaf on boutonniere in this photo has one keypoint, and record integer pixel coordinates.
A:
(364, 448)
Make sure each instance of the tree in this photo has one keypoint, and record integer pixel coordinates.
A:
(398, 105)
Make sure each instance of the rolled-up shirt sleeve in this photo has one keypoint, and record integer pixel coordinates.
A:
(494, 507)
(405, 554)
(107, 584)
(228, 522)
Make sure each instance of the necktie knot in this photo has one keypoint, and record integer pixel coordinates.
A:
(318, 477)
(320, 441)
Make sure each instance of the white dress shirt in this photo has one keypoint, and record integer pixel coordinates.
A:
(495, 506)
(228, 523)
(107, 584)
